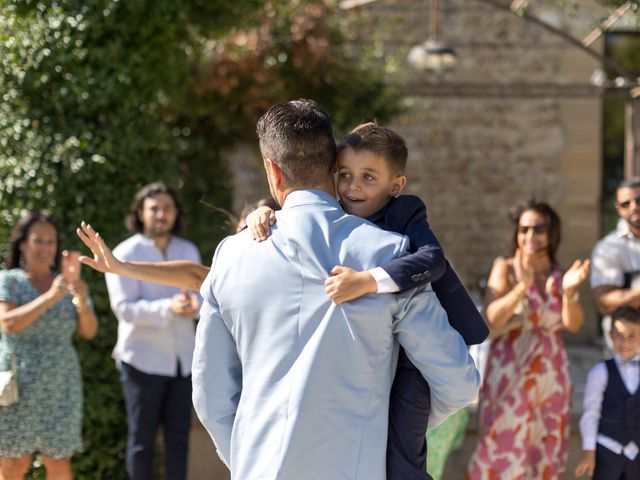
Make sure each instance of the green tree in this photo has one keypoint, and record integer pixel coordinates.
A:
(85, 88)
(99, 97)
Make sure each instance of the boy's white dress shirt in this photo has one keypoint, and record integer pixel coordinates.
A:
(597, 380)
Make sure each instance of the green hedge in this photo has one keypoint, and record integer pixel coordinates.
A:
(99, 97)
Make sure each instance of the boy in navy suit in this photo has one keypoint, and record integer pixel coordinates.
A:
(610, 424)
(370, 167)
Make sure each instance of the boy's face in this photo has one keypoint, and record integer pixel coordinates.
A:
(365, 182)
(626, 338)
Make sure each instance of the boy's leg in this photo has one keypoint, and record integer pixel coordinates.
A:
(632, 468)
(176, 422)
(409, 407)
(143, 397)
(609, 465)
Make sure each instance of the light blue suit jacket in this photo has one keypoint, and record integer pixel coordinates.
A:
(291, 386)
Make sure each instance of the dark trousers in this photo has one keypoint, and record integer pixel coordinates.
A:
(611, 466)
(409, 408)
(153, 400)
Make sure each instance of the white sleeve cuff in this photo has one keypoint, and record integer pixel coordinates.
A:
(588, 442)
(384, 281)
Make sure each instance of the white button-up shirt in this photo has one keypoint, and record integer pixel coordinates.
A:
(150, 337)
(613, 256)
(597, 380)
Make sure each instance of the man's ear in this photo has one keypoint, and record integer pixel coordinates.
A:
(274, 171)
(398, 185)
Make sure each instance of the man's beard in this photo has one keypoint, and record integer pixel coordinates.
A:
(634, 223)
(154, 232)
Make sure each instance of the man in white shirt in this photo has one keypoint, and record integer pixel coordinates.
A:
(615, 260)
(156, 335)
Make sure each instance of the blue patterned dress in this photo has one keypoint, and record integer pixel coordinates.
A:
(48, 415)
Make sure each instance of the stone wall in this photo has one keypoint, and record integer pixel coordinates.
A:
(516, 117)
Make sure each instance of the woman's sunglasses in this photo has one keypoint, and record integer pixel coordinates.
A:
(537, 229)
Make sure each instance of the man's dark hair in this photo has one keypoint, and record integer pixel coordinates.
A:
(298, 137)
(21, 231)
(380, 140)
(552, 220)
(132, 220)
(633, 182)
(626, 314)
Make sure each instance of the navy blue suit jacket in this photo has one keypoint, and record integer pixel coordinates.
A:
(407, 214)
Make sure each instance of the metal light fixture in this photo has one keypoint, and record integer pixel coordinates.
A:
(433, 55)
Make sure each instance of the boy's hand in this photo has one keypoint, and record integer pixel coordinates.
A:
(259, 222)
(587, 463)
(346, 284)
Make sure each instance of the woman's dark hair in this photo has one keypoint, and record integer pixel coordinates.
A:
(132, 220)
(21, 231)
(552, 221)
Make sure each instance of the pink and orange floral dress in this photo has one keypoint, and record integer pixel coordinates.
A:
(526, 394)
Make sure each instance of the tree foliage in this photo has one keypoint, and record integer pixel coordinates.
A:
(99, 97)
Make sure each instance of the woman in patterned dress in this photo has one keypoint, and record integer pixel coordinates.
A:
(39, 314)
(525, 396)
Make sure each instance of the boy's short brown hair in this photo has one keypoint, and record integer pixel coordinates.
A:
(380, 140)
(626, 314)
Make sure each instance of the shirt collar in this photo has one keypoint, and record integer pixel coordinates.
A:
(621, 361)
(380, 214)
(143, 239)
(623, 230)
(309, 197)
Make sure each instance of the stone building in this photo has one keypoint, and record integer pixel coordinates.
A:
(517, 116)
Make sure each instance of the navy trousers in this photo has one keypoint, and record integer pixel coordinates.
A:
(611, 466)
(153, 400)
(409, 408)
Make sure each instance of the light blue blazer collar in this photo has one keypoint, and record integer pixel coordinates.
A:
(298, 198)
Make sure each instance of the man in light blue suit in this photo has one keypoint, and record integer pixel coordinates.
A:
(289, 385)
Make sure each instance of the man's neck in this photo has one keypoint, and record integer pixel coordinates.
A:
(327, 187)
(634, 230)
(161, 241)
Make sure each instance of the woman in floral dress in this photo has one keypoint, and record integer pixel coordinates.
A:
(525, 397)
(39, 315)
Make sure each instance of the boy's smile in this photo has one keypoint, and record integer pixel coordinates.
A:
(365, 182)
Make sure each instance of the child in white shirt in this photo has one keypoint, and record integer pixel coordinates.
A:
(610, 424)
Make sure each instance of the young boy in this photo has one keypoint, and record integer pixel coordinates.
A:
(610, 424)
(370, 167)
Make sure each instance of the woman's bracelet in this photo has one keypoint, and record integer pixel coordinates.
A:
(81, 304)
(571, 298)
